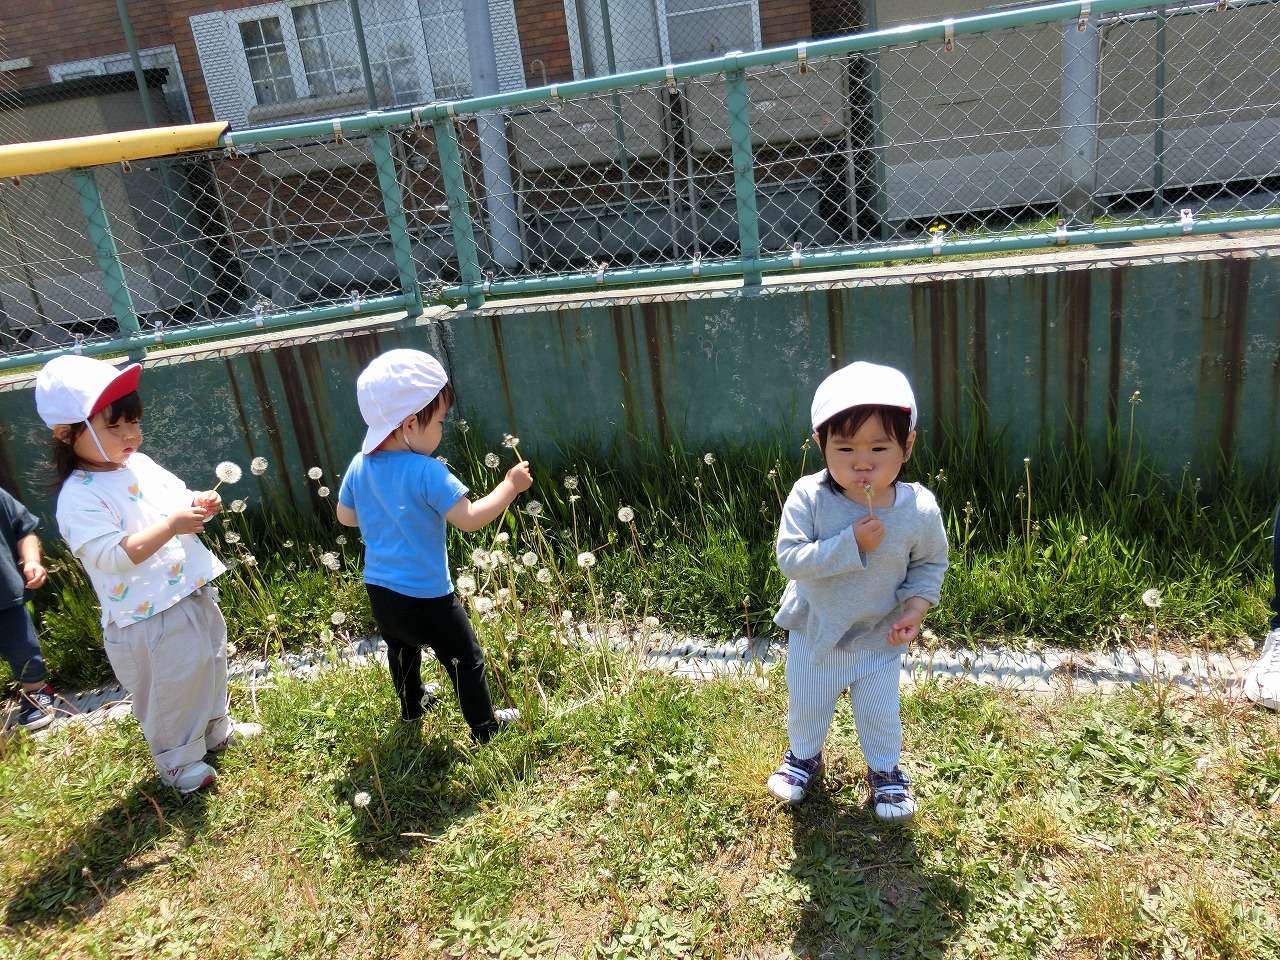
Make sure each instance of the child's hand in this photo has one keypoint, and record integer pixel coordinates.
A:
(189, 520)
(520, 477)
(210, 501)
(35, 573)
(907, 628)
(869, 532)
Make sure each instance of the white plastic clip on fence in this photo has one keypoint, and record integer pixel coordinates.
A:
(126, 166)
(337, 132)
(257, 315)
(697, 264)
(948, 35)
(938, 237)
(802, 54)
(415, 116)
(1186, 219)
(355, 300)
(1084, 17)
(158, 326)
(1060, 234)
(795, 256)
(600, 268)
(671, 79)
(78, 347)
(231, 147)
(1222, 5)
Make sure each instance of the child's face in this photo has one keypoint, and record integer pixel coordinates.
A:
(424, 439)
(120, 440)
(871, 456)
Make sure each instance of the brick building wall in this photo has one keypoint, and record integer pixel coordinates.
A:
(544, 36)
(784, 21)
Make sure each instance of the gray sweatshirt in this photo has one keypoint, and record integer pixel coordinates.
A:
(839, 593)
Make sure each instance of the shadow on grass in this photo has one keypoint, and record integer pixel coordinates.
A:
(148, 828)
(871, 896)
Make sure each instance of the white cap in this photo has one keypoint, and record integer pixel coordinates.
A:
(73, 388)
(394, 386)
(861, 384)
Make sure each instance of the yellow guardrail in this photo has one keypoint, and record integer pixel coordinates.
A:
(49, 156)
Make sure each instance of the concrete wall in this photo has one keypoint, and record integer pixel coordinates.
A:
(1032, 344)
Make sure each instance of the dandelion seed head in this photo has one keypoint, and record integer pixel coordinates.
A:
(574, 498)
(340, 539)
(238, 506)
(443, 460)
(463, 426)
(571, 482)
(533, 508)
(491, 461)
(530, 559)
(708, 458)
(1081, 540)
(288, 544)
(544, 575)
(612, 799)
(1152, 598)
(466, 585)
(361, 799)
(773, 474)
(586, 559)
(322, 491)
(258, 466)
(504, 594)
(502, 537)
(337, 618)
(651, 623)
(232, 537)
(330, 560)
(510, 442)
(483, 605)
(315, 473)
(626, 514)
(646, 592)
(227, 472)
(566, 617)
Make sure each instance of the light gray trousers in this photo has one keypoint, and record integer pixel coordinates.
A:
(814, 686)
(174, 664)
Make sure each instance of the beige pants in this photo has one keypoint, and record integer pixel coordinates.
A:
(175, 666)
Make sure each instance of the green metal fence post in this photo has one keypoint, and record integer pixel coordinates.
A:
(397, 225)
(104, 246)
(744, 176)
(455, 191)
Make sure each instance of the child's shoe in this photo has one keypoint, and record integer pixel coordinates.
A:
(1261, 682)
(37, 708)
(891, 795)
(429, 696)
(501, 720)
(240, 732)
(189, 778)
(791, 781)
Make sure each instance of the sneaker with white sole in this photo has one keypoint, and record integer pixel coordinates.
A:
(501, 720)
(240, 732)
(1261, 682)
(790, 783)
(891, 795)
(189, 778)
(430, 693)
(36, 708)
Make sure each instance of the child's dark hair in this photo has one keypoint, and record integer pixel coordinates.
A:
(65, 461)
(895, 420)
(442, 400)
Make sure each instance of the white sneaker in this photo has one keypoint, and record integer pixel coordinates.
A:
(1261, 682)
(240, 732)
(791, 782)
(189, 778)
(891, 795)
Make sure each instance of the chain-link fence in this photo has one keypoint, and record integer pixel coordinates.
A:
(1056, 125)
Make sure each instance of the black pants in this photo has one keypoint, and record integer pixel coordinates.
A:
(408, 624)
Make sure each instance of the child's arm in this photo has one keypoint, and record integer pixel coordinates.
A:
(926, 566)
(907, 627)
(801, 556)
(32, 563)
(469, 516)
(347, 517)
(145, 543)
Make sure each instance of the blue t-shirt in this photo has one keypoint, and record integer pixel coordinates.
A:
(400, 499)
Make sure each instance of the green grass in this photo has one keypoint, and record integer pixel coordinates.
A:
(627, 818)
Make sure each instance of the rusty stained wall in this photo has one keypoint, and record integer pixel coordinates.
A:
(1036, 352)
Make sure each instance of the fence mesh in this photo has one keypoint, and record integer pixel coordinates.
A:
(1124, 118)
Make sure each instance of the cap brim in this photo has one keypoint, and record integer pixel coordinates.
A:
(125, 383)
(373, 439)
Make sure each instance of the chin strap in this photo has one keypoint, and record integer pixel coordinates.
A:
(88, 426)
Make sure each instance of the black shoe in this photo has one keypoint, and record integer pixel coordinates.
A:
(36, 708)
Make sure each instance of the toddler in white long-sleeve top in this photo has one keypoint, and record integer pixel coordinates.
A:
(865, 555)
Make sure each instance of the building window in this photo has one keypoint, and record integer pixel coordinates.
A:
(275, 53)
(175, 92)
(649, 33)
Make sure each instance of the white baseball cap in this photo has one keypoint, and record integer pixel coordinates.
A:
(860, 384)
(394, 386)
(73, 388)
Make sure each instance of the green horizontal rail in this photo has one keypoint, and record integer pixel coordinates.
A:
(830, 259)
(550, 93)
(173, 336)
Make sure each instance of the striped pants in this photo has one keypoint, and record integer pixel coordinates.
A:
(814, 686)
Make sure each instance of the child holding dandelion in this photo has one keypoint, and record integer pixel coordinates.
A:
(134, 526)
(865, 555)
(402, 498)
